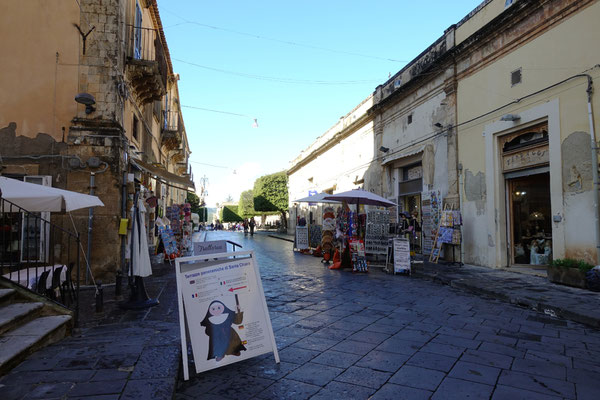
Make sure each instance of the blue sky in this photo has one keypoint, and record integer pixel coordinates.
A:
(294, 66)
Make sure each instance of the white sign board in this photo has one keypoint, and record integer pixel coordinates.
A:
(401, 255)
(223, 303)
(302, 237)
(213, 247)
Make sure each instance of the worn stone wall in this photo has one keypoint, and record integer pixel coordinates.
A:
(101, 65)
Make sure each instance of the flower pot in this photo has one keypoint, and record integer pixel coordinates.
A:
(566, 276)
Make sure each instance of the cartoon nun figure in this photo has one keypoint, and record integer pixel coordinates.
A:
(223, 339)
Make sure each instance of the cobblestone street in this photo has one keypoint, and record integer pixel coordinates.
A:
(352, 336)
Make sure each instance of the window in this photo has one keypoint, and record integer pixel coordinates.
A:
(409, 119)
(134, 128)
(411, 179)
(515, 77)
(508, 3)
(137, 39)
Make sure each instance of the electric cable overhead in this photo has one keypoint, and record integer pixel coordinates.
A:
(276, 79)
(288, 42)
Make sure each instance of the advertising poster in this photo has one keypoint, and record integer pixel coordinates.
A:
(431, 203)
(225, 310)
(302, 237)
(401, 255)
(376, 236)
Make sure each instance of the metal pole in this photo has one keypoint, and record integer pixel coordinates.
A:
(78, 283)
(89, 235)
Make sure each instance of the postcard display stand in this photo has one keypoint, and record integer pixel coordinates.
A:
(222, 304)
(448, 232)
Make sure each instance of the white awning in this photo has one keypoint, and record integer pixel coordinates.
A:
(407, 152)
(38, 198)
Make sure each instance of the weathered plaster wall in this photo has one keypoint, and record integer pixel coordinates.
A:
(39, 67)
(487, 86)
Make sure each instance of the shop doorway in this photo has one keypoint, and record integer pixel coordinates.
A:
(529, 217)
(411, 204)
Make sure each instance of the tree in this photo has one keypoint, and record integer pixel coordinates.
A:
(246, 204)
(230, 214)
(271, 194)
(194, 201)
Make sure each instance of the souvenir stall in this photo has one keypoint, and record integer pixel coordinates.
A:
(176, 229)
(313, 238)
(360, 233)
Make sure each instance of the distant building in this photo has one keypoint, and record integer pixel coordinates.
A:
(88, 88)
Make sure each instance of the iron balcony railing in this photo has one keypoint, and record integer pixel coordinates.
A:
(39, 255)
(171, 121)
(144, 44)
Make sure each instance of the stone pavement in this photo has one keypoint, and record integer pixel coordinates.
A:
(119, 354)
(358, 336)
(529, 291)
(534, 292)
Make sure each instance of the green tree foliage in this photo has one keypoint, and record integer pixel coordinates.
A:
(271, 194)
(246, 204)
(194, 201)
(230, 214)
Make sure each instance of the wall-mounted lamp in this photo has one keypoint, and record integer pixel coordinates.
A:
(87, 100)
(510, 117)
(384, 149)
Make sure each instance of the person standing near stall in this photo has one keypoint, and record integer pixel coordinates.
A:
(252, 224)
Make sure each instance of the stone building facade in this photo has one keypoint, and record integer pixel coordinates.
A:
(498, 117)
(89, 95)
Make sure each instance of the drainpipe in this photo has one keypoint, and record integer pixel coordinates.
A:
(460, 203)
(594, 146)
(90, 219)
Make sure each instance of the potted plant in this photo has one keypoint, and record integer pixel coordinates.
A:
(568, 271)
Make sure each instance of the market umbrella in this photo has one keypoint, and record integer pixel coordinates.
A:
(38, 198)
(360, 196)
(317, 198)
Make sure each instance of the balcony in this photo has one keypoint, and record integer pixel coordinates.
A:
(171, 132)
(146, 65)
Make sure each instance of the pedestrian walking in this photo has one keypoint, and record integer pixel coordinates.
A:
(252, 224)
(245, 223)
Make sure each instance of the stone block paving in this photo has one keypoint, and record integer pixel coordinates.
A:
(118, 354)
(340, 336)
(377, 336)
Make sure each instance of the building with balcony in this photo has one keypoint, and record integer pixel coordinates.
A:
(90, 103)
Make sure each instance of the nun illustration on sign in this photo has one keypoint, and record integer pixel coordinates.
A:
(223, 339)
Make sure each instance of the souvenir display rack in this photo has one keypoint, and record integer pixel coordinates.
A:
(448, 232)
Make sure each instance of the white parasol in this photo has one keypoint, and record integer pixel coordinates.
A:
(38, 198)
(360, 196)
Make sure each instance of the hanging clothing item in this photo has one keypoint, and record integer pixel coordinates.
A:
(138, 242)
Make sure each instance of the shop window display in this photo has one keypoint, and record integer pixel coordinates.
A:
(531, 219)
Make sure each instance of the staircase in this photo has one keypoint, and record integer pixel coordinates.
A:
(28, 322)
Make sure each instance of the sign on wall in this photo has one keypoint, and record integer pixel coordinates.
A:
(223, 305)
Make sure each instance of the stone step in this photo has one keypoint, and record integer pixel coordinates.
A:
(6, 296)
(14, 314)
(19, 343)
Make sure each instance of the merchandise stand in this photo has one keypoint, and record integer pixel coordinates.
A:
(448, 232)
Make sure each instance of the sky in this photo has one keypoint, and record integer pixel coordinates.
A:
(295, 67)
